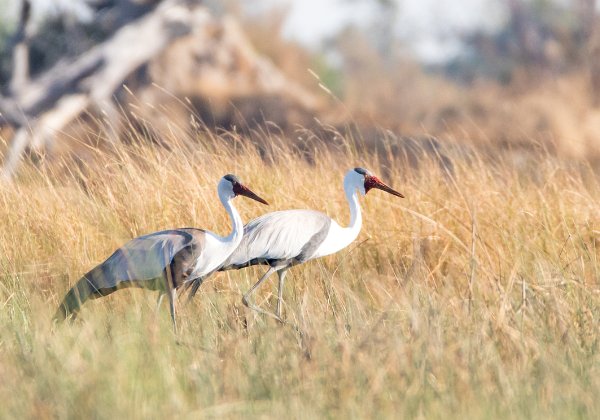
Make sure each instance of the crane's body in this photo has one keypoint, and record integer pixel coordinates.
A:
(283, 239)
(163, 261)
(142, 261)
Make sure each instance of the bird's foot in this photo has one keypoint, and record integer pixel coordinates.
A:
(261, 311)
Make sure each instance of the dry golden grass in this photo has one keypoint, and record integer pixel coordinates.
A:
(478, 295)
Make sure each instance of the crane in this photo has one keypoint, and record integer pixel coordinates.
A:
(163, 261)
(283, 239)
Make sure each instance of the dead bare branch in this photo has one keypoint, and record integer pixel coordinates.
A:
(20, 72)
(50, 102)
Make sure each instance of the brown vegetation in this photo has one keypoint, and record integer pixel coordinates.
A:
(477, 295)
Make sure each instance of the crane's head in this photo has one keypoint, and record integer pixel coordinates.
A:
(230, 186)
(363, 180)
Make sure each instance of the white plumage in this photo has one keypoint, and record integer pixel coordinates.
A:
(283, 239)
(280, 235)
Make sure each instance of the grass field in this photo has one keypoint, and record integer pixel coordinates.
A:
(478, 295)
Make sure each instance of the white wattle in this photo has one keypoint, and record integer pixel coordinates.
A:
(340, 237)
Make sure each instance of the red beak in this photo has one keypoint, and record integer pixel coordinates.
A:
(374, 182)
(241, 189)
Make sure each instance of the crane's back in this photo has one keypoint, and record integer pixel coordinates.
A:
(280, 236)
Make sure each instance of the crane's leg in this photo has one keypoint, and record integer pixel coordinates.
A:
(170, 272)
(245, 301)
(172, 298)
(281, 273)
(161, 295)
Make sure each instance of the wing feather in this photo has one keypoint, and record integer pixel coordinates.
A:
(138, 263)
(279, 236)
(143, 258)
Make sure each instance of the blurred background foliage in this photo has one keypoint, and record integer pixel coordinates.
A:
(527, 75)
(476, 297)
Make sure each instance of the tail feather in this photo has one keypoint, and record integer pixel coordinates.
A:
(97, 283)
(77, 296)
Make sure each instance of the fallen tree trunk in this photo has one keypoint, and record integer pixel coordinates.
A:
(20, 72)
(49, 103)
(179, 45)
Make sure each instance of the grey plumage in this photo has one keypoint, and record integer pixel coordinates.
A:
(285, 238)
(232, 178)
(362, 171)
(155, 261)
(281, 240)
(166, 260)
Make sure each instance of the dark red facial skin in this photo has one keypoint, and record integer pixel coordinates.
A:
(372, 181)
(241, 189)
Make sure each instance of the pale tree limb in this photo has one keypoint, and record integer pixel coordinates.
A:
(216, 57)
(53, 121)
(65, 91)
(20, 53)
(10, 113)
(19, 144)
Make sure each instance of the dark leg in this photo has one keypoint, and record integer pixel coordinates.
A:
(171, 271)
(172, 298)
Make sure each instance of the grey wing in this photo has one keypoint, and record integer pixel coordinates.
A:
(280, 236)
(145, 258)
(141, 262)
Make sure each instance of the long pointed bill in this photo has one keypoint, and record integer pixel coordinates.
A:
(388, 189)
(374, 182)
(241, 189)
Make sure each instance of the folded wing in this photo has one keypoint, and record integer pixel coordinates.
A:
(279, 236)
(141, 262)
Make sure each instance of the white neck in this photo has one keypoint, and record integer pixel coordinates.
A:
(355, 225)
(339, 237)
(237, 230)
(220, 247)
